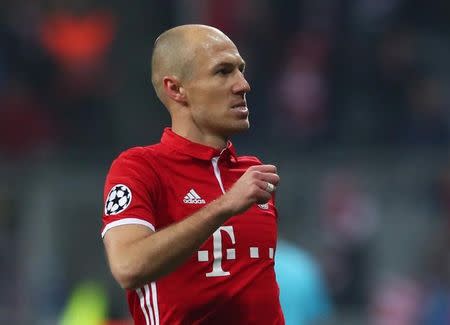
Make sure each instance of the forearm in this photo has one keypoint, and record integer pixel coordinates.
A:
(148, 258)
(137, 256)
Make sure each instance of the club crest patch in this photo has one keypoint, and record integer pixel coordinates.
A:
(118, 199)
(264, 206)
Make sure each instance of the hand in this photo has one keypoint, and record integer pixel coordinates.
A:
(252, 187)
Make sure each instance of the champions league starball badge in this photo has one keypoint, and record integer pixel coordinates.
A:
(119, 198)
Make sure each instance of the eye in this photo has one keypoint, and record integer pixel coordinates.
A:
(224, 71)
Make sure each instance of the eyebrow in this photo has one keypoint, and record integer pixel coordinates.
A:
(230, 64)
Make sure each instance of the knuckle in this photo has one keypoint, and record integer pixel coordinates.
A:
(256, 191)
(256, 174)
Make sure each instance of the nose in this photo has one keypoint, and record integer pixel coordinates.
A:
(241, 86)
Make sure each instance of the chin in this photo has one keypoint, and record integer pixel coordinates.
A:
(239, 127)
(232, 127)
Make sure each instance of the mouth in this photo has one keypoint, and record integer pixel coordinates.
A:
(240, 110)
(241, 106)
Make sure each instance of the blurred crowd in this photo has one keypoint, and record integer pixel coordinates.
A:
(328, 73)
(55, 77)
(325, 75)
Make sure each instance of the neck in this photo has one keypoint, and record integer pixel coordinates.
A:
(197, 136)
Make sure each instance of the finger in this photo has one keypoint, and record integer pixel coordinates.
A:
(263, 185)
(264, 197)
(264, 168)
(270, 187)
(261, 195)
(270, 178)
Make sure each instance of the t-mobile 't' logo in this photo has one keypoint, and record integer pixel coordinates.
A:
(217, 252)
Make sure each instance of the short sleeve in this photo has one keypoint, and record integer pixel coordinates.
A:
(130, 192)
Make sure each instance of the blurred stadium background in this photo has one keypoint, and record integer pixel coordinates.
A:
(350, 99)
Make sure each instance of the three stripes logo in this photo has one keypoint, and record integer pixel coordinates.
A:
(193, 198)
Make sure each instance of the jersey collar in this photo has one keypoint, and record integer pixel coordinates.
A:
(196, 150)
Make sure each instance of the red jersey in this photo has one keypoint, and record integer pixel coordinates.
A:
(231, 278)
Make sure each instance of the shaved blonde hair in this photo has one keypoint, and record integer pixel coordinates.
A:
(174, 53)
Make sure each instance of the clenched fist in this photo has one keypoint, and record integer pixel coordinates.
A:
(254, 186)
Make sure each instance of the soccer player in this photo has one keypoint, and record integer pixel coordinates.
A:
(189, 227)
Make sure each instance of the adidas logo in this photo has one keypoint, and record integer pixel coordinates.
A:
(193, 198)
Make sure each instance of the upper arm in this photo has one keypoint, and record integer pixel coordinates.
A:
(122, 246)
(117, 239)
(130, 194)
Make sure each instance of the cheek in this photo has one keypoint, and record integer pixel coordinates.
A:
(214, 102)
(202, 97)
(210, 115)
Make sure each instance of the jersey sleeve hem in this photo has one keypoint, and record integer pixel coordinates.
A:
(127, 221)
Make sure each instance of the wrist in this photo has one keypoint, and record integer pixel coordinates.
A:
(223, 208)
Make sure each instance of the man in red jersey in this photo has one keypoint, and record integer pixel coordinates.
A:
(189, 227)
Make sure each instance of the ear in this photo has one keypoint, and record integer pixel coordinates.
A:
(173, 89)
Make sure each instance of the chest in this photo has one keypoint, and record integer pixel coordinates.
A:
(189, 186)
(244, 240)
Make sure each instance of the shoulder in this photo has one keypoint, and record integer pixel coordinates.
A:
(139, 152)
(138, 155)
(136, 161)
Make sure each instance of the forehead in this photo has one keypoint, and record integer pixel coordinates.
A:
(217, 49)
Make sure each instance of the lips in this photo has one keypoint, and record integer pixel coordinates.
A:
(240, 106)
(240, 110)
